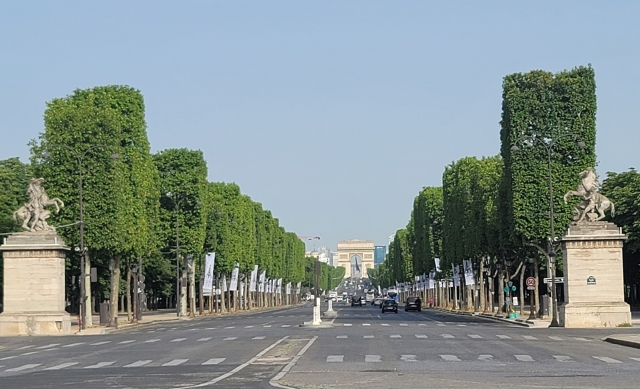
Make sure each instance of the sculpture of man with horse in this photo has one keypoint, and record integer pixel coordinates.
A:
(33, 213)
(592, 200)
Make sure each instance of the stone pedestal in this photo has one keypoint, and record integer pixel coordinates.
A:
(34, 287)
(593, 277)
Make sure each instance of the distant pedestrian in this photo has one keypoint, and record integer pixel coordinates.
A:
(431, 302)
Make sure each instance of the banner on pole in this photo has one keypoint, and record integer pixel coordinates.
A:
(254, 278)
(233, 286)
(261, 287)
(468, 272)
(298, 287)
(288, 289)
(224, 284)
(209, 263)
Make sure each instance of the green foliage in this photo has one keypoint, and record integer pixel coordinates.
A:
(623, 189)
(546, 108)
(427, 229)
(14, 179)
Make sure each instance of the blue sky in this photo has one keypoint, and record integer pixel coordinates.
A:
(332, 114)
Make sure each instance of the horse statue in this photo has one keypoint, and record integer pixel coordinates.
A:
(592, 200)
(33, 214)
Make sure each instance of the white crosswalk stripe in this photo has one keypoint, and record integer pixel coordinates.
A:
(385, 324)
(25, 347)
(524, 358)
(583, 339)
(395, 336)
(228, 328)
(635, 358)
(347, 324)
(127, 341)
(335, 358)
(447, 336)
(372, 358)
(31, 353)
(231, 338)
(366, 324)
(608, 360)
(503, 336)
(73, 344)
(178, 340)
(267, 326)
(529, 337)
(421, 336)
(175, 362)
(5, 358)
(441, 325)
(475, 336)
(152, 340)
(62, 366)
(555, 338)
(368, 337)
(258, 337)
(139, 363)
(286, 325)
(422, 324)
(99, 365)
(342, 337)
(485, 357)
(450, 358)
(48, 346)
(562, 358)
(408, 358)
(404, 324)
(248, 326)
(24, 367)
(214, 361)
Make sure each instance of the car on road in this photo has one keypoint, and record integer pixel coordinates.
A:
(377, 302)
(356, 300)
(413, 303)
(389, 305)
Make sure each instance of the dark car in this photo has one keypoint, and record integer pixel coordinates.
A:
(413, 304)
(356, 300)
(389, 305)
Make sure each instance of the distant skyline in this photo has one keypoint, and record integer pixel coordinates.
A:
(331, 114)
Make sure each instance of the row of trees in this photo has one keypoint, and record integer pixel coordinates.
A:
(497, 209)
(152, 214)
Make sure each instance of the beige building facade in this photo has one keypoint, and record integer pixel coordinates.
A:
(356, 256)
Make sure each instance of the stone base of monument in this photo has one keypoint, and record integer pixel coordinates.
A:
(34, 287)
(593, 277)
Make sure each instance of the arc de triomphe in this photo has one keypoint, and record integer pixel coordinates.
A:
(355, 251)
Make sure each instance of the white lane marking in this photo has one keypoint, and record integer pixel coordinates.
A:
(214, 361)
(474, 336)
(73, 344)
(258, 337)
(583, 339)
(25, 347)
(267, 326)
(138, 363)
(368, 337)
(347, 325)
(395, 336)
(421, 336)
(422, 324)
(635, 358)
(408, 358)
(228, 328)
(366, 324)
(175, 362)
(529, 337)
(335, 358)
(152, 340)
(274, 381)
(248, 326)
(342, 337)
(441, 325)
(5, 358)
(524, 358)
(385, 324)
(48, 346)
(62, 366)
(178, 340)
(372, 358)
(24, 367)
(447, 336)
(562, 358)
(404, 324)
(100, 343)
(462, 325)
(126, 341)
(31, 353)
(555, 338)
(485, 357)
(450, 358)
(231, 338)
(608, 360)
(503, 336)
(286, 325)
(99, 365)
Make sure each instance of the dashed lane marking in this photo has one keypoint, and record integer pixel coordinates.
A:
(99, 365)
(408, 358)
(100, 343)
(372, 358)
(421, 336)
(562, 358)
(175, 362)
(607, 359)
(524, 358)
(450, 358)
(214, 361)
(258, 337)
(178, 340)
(24, 367)
(139, 363)
(62, 366)
(335, 358)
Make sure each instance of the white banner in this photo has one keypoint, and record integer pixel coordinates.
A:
(468, 272)
(456, 275)
(288, 288)
(298, 287)
(224, 284)
(254, 278)
(261, 287)
(437, 261)
(279, 285)
(209, 263)
(234, 279)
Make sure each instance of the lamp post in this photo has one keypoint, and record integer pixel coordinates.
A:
(82, 250)
(548, 145)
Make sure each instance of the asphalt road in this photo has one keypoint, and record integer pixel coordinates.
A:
(363, 349)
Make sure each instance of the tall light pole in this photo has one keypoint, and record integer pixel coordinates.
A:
(79, 155)
(548, 145)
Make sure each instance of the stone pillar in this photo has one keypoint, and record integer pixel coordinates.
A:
(593, 277)
(34, 288)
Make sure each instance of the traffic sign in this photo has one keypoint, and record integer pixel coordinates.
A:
(559, 280)
(506, 289)
(513, 288)
(510, 284)
(531, 288)
(531, 282)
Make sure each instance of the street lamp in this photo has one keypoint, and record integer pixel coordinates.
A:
(82, 250)
(548, 145)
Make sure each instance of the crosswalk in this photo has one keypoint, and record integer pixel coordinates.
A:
(105, 364)
(369, 358)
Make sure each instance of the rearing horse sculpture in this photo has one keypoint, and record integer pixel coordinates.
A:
(591, 198)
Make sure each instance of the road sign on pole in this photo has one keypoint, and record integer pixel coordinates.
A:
(531, 282)
(559, 280)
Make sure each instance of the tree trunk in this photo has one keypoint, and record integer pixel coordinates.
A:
(537, 291)
(183, 289)
(481, 290)
(501, 292)
(136, 296)
(128, 292)
(201, 292)
(113, 295)
(88, 317)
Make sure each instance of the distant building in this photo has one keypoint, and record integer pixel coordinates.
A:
(379, 255)
(356, 256)
(322, 254)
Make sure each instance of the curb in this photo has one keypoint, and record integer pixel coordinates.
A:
(485, 316)
(622, 342)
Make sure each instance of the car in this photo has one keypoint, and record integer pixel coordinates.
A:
(389, 305)
(377, 302)
(356, 300)
(413, 303)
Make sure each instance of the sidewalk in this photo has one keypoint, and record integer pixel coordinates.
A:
(629, 340)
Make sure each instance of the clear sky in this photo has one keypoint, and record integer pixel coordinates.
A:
(332, 114)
